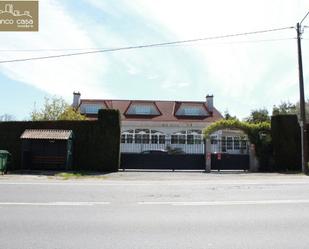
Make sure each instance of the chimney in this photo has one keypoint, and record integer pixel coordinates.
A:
(210, 103)
(76, 100)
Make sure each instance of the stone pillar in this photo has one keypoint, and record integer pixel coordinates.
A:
(207, 155)
(254, 163)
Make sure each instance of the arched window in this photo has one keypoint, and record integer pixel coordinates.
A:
(127, 137)
(187, 137)
(157, 137)
(143, 136)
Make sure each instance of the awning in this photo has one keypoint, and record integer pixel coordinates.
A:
(47, 134)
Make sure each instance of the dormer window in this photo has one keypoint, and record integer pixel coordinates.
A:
(90, 108)
(142, 109)
(191, 111)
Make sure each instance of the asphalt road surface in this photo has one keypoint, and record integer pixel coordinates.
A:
(181, 212)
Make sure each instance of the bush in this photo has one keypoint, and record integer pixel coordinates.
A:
(286, 142)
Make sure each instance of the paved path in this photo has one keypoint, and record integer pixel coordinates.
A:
(155, 210)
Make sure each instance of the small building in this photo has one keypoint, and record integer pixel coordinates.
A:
(47, 149)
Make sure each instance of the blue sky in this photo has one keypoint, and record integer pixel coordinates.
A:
(243, 73)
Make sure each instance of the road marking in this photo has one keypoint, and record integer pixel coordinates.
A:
(53, 203)
(154, 183)
(224, 203)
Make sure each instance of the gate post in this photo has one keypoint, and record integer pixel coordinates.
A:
(254, 164)
(207, 153)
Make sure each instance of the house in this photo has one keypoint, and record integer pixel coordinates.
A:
(157, 124)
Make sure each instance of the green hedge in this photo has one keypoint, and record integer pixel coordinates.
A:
(286, 142)
(96, 144)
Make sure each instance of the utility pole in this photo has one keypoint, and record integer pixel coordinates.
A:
(302, 122)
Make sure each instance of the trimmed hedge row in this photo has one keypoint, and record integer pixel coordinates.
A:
(286, 140)
(96, 144)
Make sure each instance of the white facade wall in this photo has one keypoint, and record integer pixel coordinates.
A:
(168, 129)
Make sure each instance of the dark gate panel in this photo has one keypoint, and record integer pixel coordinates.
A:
(225, 161)
(162, 162)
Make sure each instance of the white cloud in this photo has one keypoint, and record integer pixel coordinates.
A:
(174, 85)
(61, 75)
(242, 75)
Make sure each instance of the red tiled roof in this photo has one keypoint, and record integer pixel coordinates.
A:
(166, 108)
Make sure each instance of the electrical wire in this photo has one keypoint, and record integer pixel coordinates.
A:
(173, 45)
(144, 46)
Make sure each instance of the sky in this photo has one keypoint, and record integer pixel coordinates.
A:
(243, 73)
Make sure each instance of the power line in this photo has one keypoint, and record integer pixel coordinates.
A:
(145, 46)
(49, 49)
(98, 48)
(246, 41)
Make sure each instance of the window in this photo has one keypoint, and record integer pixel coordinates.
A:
(90, 108)
(129, 139)
(229, 143)
(154, 139)
(190, 139)
(174, 139)
(191, 111)
(197, 139)
(213, 139)
(142, 109)
(187, 137)
(138, 138)
(145, 139)
(123, 138)
(223, 144)
(161, 139)
(142, 136)
(236, 143)
(243, 144)
(182, 139)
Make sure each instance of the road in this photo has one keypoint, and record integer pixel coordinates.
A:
(183, 211)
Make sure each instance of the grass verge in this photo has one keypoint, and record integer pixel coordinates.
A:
(78, 175)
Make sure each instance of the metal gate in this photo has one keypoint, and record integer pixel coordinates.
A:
(225, 161)
(167, 154)
(162, 161)
(229, 154)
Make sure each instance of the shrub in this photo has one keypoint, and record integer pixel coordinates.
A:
(285, 131)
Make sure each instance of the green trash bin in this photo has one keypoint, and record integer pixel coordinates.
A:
(4, 160)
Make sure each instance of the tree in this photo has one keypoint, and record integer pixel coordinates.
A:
(290, 108)
(284, 108)
(258, 116)
(56, 109)
(71, 114)
(306, 108)
(6, 117)
(228, 116)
